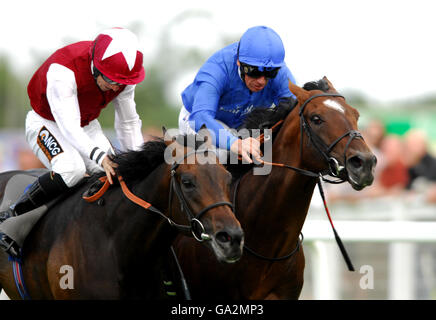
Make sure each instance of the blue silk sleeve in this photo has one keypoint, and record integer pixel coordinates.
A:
(203, 112)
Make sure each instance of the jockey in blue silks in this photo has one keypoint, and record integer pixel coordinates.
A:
(242, 76)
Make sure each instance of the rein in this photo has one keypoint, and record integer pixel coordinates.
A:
(334, 171)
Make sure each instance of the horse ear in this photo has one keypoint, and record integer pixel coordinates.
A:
(169, 142)
(205, 134)
(331, 88)
(168, 139)
(301, 94)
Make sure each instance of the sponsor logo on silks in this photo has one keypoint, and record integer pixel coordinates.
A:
(48, 144)
(243, 110)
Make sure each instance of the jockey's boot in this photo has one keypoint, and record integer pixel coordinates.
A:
(45, 188)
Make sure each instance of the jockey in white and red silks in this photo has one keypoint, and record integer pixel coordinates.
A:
(67, 94)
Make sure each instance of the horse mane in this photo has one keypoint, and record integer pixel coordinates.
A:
(317, 85)
(135, 165)
(262, 118)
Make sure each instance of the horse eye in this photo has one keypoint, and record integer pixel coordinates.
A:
(188, 184)
(316, 119)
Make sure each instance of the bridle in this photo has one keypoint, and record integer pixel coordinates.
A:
(195, 226)
(334, 168)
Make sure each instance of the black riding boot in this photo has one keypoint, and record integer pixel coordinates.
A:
(45, 188)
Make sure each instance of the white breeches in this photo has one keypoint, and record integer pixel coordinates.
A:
(184, 126)
(57, 154)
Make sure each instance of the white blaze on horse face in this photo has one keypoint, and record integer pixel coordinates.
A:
(334, 105)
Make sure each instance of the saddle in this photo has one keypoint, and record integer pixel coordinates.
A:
(17, 228)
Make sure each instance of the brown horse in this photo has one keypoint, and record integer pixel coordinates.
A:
(115, 248)
(319, 135)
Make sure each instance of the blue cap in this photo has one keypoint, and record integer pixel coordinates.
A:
(262, 47)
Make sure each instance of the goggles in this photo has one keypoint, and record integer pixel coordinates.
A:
(97, 73)
(109, 80)
(254, 72)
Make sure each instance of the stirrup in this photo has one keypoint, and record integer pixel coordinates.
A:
(9, 246)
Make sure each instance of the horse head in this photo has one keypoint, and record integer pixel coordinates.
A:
(329, 140)
(203, 188)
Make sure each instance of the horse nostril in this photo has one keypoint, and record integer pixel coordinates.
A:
(356, 162)
(223, 237)
(230, 237)
(362, 161)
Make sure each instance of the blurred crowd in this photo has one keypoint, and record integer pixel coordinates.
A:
(405, 165)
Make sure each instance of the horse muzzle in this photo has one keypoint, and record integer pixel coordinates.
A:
(360, 169)
(227, 244)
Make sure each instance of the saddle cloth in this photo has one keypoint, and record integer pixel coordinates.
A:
(17, 228)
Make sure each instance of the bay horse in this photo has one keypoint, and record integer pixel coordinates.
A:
(318, 135)
(116, 248)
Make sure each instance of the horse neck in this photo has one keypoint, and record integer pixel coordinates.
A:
(275, 206)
